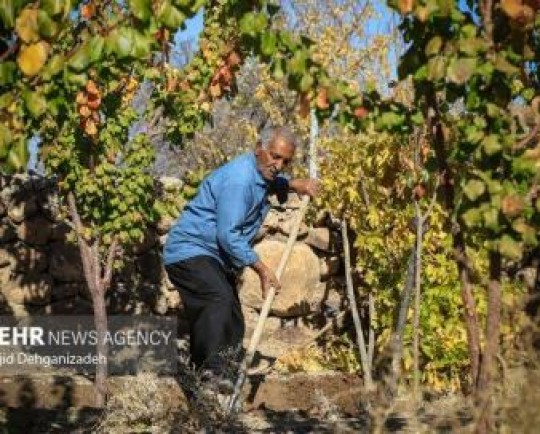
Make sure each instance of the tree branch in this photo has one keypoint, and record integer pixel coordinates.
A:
(109, 264)
(525, 141)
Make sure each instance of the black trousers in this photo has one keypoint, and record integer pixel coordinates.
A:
(210, 298)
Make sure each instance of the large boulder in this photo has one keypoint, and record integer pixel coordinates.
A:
(21, 207)
(65, 262)
(32, 289)
(298, 284)
(322, 239)
(282, 221)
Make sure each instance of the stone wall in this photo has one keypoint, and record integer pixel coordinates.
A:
(41, 272)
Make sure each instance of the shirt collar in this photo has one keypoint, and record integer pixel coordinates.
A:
(258, 177)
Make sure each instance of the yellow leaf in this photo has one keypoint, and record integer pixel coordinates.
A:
(405, 6)
(90, 127)
(32, 58)
(215, 90)
(27, 26)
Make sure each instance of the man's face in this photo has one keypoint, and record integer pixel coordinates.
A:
(272, 161)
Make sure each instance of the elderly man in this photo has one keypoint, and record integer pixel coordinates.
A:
(211, 242)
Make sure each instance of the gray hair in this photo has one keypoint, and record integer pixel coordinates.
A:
(269, 134)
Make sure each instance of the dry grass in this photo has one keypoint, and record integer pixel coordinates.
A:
(140, 406)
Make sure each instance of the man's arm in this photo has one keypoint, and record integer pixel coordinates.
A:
(232, 207)
(305, 186)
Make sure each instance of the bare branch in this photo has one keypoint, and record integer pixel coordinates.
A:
(525, 141)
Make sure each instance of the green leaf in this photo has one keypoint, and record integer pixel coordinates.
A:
(47, 27)
(472, 217)
(142, 9)
(35, 103)
(510, 248)
(7, 73)
(491, 144)
(170, 16)
(120, 42)
(472, 46)
(527, 232)
(268, 43)
(18, 155)
(96, 44)
(81, 58)
(434, 46)
(297, 64)
(389, 120)
(306, 82)
(53, 7)
(436, 68)
(253, 23)
(491, 219)
(474, 189)
(5, 140)
(504, 66)
(53, 67)
(277, 69)
(461, 69)
(7, 13)
(141, 46)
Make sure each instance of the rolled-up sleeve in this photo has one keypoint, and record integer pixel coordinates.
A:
(232, 209)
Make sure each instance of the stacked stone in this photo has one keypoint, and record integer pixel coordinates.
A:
(41, 271)
(313, 262)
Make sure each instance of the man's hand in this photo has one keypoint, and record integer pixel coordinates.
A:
(307, 186)
(267, 276)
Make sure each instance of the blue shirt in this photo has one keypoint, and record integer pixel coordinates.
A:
(224, 217)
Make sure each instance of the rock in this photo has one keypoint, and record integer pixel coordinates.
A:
(36, 230)
(330, 266)
(272, 221)
(299, 281)
(322, 239)
(49, 204)
(61, 291)
(24, 259)
(71, 306)
(59, 231)
(287, 226)
(3, 208)
(173, 298)
(293, 201)
(5, 258)
(149, 265)
(22, 207)
(30, 289)
(7, 231)
(282, 221)
(65, 262)
(5, 276)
